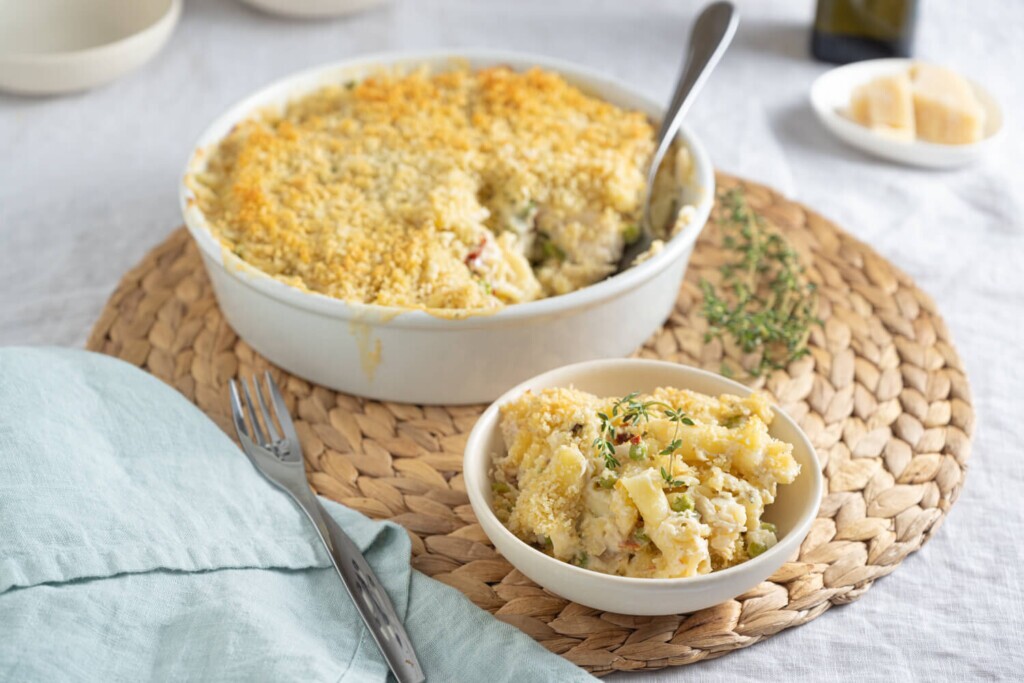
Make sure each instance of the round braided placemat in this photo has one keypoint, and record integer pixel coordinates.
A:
(882, 395)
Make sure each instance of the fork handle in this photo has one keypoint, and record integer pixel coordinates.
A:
(371, 600)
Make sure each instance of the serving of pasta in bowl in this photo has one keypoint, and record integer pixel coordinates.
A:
(641, 487)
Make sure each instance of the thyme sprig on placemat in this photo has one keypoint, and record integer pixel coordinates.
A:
(764, 302)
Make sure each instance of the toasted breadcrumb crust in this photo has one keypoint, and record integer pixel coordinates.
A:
(454, 190)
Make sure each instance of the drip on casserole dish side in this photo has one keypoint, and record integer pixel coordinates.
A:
(454, 190)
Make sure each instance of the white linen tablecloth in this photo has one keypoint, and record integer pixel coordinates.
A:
(88, 184)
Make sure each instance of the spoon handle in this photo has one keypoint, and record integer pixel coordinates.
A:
(709, 37)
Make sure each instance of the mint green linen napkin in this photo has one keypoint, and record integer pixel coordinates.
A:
(137, 543)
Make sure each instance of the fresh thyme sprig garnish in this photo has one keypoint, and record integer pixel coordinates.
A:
(634, 410)
(677, 416)
(604, 441)
(765, 303)
(672, 447)
(629, 410)
(672, 483)
(680, 418)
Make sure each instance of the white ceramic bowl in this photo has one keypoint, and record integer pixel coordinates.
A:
(49, 47)
(313, 9)
(830, 97)
(793, 511)
(412, 356)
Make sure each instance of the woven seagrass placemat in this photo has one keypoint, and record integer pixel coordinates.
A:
(882, 395)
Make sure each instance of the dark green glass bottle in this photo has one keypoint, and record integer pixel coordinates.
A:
(854, 30)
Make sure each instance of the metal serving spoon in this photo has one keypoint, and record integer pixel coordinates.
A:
(709, 38)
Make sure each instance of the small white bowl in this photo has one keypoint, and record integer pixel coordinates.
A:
(792, 512)
(49, 47)
(313, 9)
(830, 98)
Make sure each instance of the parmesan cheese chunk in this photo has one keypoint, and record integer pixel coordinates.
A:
(946, 109)
(885, 105)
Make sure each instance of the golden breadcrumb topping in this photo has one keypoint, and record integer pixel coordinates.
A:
(454, 190)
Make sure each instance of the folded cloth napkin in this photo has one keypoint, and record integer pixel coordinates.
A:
(138, 543)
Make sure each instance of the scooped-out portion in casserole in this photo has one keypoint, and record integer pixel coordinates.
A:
(662, 485)
(460, 189)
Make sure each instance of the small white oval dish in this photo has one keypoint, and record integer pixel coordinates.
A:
(313, 9)
(830, 99)
(792, 512)
(50, 47)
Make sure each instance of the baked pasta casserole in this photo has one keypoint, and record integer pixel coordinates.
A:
(670, 484)
(454, 190)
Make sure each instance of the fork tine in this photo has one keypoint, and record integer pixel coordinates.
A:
(281, 410)
(237, 412)
(261, 438)
(271, 429)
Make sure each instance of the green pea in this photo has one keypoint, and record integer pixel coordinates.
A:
(682, 502)
(638, 451)
(500, 487)
(755, 549)
(552, 251)
(631, 233)
(768, 526)
(528, 208)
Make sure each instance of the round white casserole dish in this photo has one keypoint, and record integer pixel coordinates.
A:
(415, 356)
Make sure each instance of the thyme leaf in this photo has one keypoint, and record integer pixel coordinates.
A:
(672, 447)
(672, 483)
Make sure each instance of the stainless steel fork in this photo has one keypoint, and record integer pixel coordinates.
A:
(278, 456)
